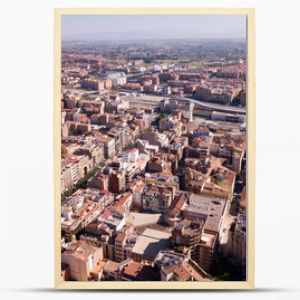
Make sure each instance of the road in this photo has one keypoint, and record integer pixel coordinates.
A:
(214, 106)
(229, 217)
(217, 107)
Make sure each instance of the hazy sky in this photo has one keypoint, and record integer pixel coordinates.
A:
(153, 26)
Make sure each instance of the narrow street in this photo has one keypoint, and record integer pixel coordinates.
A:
(230, 213)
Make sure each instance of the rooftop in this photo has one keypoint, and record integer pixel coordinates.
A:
(206, 205)
(150, 242)
(208, 239)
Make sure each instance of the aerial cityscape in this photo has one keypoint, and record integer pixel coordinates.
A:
(153, 148)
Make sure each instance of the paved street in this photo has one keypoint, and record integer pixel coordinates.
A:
(228, 218)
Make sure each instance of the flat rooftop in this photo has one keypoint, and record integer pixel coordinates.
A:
(206, 205)
(150, 242)
(208, 239)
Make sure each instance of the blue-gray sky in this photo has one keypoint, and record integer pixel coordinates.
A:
(153, 26)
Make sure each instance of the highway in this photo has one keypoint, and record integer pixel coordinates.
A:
(213, 106)
(217, 107)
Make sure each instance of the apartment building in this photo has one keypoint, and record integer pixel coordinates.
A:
(157, 198)
(82, 260)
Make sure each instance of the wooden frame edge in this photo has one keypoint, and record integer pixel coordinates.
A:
(119, 285)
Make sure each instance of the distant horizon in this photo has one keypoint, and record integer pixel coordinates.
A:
(153, 27)
(78, 40)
